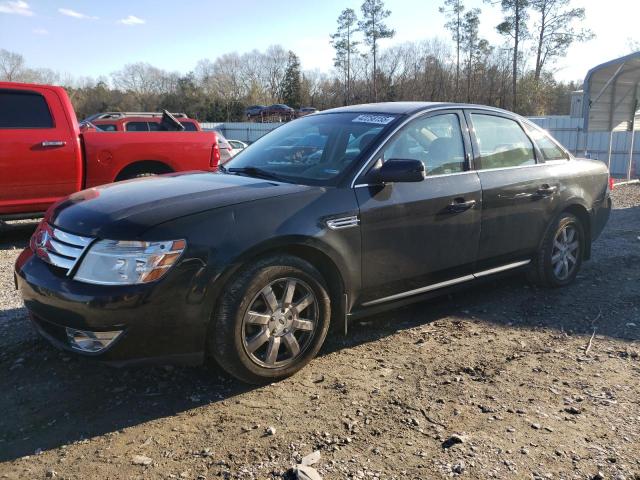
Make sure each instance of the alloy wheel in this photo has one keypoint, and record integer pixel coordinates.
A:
(280, 323)
(565, 252)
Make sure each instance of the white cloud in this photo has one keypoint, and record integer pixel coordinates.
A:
(132, 20)
(18, 7)
(72, 13)
(40, 31)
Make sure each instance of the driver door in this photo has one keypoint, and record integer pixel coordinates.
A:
(421, 236)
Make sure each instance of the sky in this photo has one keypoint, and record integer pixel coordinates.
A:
(94, 38)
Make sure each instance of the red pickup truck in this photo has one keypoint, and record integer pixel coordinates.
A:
(45, 155)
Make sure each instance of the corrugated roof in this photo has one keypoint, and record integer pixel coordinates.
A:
(612, 94)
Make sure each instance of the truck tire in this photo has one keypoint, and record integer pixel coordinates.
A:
(272, 319)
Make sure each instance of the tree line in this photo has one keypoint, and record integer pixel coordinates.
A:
(516, 74)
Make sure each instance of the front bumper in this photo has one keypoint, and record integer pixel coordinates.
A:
(600, 217)
(160, 321)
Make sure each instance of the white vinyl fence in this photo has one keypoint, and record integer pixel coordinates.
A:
(565, 129)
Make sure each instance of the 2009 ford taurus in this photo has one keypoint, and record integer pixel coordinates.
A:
(329, 217)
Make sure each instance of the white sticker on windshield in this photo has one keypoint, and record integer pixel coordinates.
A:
(377, 119)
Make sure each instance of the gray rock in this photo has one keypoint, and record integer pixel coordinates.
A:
(304, 472)
(141, 460)
(270, 431)
(311, 459)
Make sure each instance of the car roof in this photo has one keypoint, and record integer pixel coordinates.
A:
(137, 119)
(406, 108)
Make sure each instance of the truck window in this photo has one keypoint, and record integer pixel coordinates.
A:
(107, 127)
(23, 109)
(137, 127)
(189, 126)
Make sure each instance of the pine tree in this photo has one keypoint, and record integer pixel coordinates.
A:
(291, 87)
(514, 25)
(453, 9)
(374, 29)
(345, 47)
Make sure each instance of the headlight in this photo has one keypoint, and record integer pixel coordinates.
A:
(123, 262)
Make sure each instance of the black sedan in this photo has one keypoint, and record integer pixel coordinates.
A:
(251, 265)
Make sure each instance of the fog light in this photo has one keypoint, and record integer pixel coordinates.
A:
(91, 342)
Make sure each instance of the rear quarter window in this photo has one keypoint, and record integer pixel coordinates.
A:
(20, 109)
(547, 146)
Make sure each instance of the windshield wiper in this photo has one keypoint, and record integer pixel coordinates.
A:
(254, 172)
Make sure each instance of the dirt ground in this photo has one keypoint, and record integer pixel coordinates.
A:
(500, 381)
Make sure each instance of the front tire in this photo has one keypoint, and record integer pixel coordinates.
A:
(560, 256)
(272, 319)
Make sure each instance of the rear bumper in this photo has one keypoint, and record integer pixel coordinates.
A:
(159, 322)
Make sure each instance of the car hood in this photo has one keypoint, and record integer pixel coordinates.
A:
(125, 210)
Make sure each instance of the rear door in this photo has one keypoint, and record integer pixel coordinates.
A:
(519, 190)
(39, 150)
(424, 235)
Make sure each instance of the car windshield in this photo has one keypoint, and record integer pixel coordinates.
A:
(313, 150)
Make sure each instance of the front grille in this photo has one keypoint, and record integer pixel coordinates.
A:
(59, 248)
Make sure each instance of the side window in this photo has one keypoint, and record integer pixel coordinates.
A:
(20, 109)
(154, 126)
(435, 141)
(137, 127)
(107, 127)
(502, 142)
(550, 150)
(189, 126)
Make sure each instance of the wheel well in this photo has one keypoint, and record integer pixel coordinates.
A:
(583, 215)
(320, 260)
(143, 166)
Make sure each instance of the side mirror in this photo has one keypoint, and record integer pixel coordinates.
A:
(397, 170)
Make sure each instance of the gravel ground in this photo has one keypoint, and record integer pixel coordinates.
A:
(500, 381)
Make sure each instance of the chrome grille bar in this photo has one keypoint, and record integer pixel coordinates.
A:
(59, 248)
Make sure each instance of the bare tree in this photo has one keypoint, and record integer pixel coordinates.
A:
(12, 66)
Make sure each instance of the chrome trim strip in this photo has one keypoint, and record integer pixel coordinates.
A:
(343, 222)
(428, 288)
(501, 269)
(70, 238)
(59, 261)
(65, 250)
(447, 283)
(426, 179)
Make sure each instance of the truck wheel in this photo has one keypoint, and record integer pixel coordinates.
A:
(271, 321)
(561, 253)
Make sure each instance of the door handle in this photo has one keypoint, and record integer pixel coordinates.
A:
(459, 205)
(53, 143)
(546, 190)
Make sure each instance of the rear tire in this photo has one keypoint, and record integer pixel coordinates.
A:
(272, 319)
(560, 256)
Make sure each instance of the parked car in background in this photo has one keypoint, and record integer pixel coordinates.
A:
(237, 146)
(45, 155)
(138, 121)
(251, 264)
(254, 110)
(279, 110)
(226, 149)
(305, 111)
